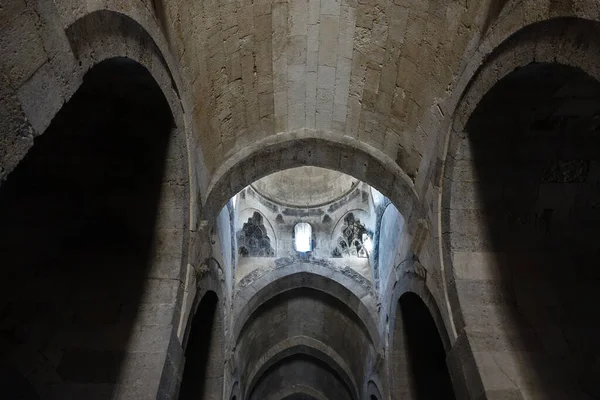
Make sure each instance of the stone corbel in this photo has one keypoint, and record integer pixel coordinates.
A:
(412, 266)
(210, 265)
(416, 269)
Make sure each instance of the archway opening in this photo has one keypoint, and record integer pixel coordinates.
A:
(525, 212)
(373, 391)
(203, 371)
(79, 237)
(311, 213)
(419, 359)
(300, 396)
(300, 371)
(307, 219)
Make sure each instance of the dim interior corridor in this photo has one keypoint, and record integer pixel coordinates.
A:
(299, 199)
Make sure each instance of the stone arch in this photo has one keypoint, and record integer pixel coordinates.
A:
(314, 148)
(105, 31)
(261, 300)
(205, 281)
(540, 19)
(235, 392)
(88, 39)
(411, 277)
(302, 345)
(78, 178)
(202, 376)
(408, 282)
(91, 39)
(561, 44)
(516, 18)
(417, 355)
(299, 390)
(317, 376)
(373, 392)
(360, 299)
(566, 41)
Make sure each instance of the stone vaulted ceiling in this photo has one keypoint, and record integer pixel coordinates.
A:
(131, 123)
(305, 186)
(364, 69)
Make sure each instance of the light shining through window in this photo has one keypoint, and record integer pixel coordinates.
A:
(303, 237)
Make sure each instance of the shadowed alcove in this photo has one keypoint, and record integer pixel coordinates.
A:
(418, 357)
(78, 237)
(525, 207)
(203, 371)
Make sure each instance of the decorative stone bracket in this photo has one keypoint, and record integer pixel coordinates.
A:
(412, 266)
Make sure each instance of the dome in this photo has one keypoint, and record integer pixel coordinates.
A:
(305, 186)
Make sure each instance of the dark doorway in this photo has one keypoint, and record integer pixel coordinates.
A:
(77, 227)
(203, 371)
(533, 148)
(419, 353)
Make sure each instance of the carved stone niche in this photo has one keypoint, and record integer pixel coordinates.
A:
(253, 240)
(350, 242)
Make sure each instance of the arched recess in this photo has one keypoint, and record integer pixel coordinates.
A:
(93, 240)
(316, 376)
(503, 249)
(373, 391)
(310, 313)
(235, 391)
(360, 299)
(309, 148)
(298, 392)
(302, 345)
(312, 305)
(86, 41)
(418, 358)
(203, 371)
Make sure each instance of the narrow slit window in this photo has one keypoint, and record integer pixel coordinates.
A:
(303, 237)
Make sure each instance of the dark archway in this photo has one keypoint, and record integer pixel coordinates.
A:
(525, 212)
(418, 357)
(308, 148)
(300, 370)
(79, 238)
(203, 371)
(299, 396)
(373, 391)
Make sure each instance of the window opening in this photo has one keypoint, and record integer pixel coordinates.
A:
(303, 237)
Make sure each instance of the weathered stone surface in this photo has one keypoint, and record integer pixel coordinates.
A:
(477, 119)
